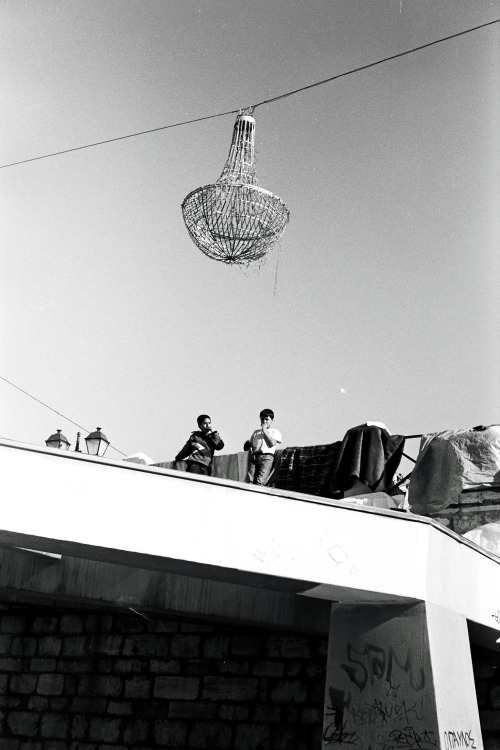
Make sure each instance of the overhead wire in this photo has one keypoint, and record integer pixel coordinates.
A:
(55, 411)
(377, 62)
(259, 104)
(222, 114)
(119, 138)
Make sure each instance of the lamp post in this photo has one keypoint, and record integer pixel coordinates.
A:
(97, 442)
(58, 440)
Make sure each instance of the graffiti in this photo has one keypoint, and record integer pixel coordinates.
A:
(392, 691)
(376, 712)
(338, 699)
(410, 739)
(382, 716)
(459, 739)
(389, 725)
(407, 740)
(496, 616)
(366, 714)
(375, 663)
(402, 712)
(336, 733)
(379, 701)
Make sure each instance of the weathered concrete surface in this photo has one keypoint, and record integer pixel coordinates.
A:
(400, 677)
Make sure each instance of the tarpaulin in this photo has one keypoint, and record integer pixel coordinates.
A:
(452, 462)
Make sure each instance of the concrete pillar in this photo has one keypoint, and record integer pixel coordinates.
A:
(399, 677)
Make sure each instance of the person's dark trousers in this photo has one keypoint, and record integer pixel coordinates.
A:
(193, 467)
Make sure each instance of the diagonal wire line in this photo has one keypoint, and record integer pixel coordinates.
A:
(54, 410)
(259, 104)
(119, 138)
(377, 62)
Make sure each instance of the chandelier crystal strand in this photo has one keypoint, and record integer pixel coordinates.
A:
(234, 220)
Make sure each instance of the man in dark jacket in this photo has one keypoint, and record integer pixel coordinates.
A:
(198, 452)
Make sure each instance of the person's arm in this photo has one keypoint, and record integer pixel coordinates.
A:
(249, 444)
(216, 440)
(185, 451)
(269, 438)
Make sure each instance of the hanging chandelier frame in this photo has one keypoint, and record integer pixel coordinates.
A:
(234, 220)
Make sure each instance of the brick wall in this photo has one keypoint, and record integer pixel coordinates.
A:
(472, 510)
(99, 681)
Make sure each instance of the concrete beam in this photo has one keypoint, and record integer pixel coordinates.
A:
(30, 577)
(232, 533)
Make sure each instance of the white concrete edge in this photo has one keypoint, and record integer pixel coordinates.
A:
(243, 487)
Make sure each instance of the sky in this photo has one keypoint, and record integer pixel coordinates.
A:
(381, 301)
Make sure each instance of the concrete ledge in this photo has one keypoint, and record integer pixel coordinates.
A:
(221, 531)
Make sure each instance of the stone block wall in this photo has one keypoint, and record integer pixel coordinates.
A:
(87, 680)
(474, 509)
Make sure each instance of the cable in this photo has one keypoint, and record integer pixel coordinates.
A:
(378, 62)
(119, 138)
(260, 104)
(55, 411)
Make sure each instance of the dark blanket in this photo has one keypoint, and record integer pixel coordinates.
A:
(368, 453)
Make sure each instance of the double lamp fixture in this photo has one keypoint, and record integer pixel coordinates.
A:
(97, 442)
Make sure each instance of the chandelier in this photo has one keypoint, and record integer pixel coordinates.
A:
(234, 220)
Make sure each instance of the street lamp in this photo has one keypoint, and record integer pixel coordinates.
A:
(58, 440)
(97, 442)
